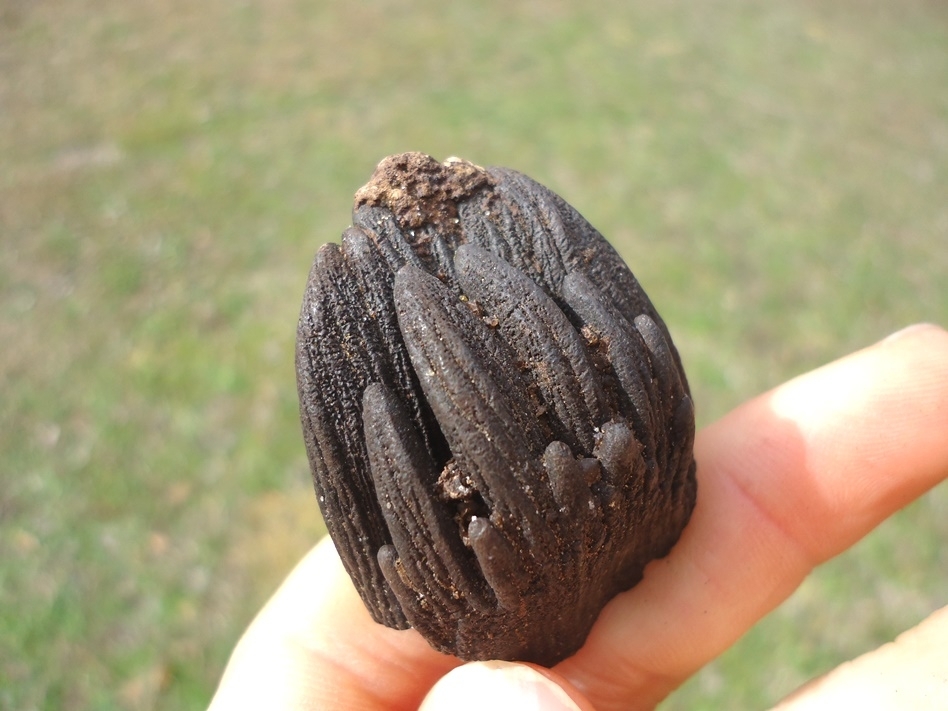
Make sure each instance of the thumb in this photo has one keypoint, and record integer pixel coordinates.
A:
(503, 685)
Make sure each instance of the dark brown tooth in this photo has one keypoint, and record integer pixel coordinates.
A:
(623, 351)
(418, 612)
(660, 358)
(683, 427)
(497, 422)
(567, 482)
(474, 411)
(424, 532)
(501, 563)
(621, 458)
(333, 356)
(542, 338)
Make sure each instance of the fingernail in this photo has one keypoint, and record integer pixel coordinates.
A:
(497, 685)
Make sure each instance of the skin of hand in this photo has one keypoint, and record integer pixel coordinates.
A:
(785, 481)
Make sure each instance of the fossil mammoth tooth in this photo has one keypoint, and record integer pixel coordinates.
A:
(498, 425)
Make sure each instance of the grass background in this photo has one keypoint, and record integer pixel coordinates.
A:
(775, 174)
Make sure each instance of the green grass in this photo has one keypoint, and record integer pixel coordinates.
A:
(776, 177)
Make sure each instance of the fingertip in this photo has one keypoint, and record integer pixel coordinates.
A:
(484, 685)
(909, 672)
(923, 330)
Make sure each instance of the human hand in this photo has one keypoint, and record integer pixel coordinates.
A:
(785, 482)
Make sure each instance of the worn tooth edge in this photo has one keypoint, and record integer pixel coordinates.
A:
(671, 387)
(479, 220)
(551, 245)
(565, 243)
(533, 238)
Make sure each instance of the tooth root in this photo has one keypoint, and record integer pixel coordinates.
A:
(423, 530)
(542, 336)
(653, 389)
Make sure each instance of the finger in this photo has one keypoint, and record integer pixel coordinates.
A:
(909, 673)
(503, 685)
(785, 482)
(314, 646)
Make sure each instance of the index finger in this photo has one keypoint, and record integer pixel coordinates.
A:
(785, 482)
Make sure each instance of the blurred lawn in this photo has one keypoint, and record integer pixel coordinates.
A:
(775, 175)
